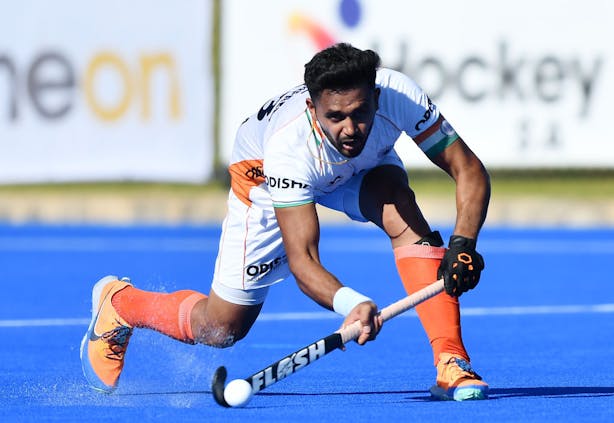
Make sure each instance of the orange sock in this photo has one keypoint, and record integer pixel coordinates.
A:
(165, 313)
(440, 316)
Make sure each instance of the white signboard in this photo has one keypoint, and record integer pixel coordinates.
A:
(525, 83)
(105, 90)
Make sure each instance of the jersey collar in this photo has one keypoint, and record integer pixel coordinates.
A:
(325, 151)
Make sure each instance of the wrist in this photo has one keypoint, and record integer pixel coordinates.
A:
(345, 299)
(461, 241)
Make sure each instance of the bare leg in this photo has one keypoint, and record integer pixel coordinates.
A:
(218, 323)
(387, 200)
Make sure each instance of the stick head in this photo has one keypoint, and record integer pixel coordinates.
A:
(217, 386)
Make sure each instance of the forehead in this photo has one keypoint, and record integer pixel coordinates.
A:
(347, 98)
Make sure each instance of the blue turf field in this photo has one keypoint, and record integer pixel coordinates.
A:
(539, 329)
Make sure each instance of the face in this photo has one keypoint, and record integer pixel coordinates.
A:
(346, 117)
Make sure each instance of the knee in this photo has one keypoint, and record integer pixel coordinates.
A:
(219, 336)
(216, 333)
(385, 194)
(221, 324)
(383, 183)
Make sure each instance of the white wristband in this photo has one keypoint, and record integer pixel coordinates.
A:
(346, 299)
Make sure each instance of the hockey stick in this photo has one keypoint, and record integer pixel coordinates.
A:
(312, 352)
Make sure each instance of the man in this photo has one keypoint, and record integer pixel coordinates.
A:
(329, 141)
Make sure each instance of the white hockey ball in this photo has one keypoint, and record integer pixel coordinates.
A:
(238, 393)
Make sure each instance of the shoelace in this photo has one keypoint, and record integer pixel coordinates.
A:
(117, 339)
(462, 366)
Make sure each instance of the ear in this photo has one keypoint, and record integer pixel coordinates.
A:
(312, 107)
(310, 104)
(376, 94)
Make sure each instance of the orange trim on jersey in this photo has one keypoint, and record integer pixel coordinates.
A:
(245, 246)
(429, 131)
(245, 175)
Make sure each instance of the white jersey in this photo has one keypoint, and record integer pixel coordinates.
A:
(281, 158)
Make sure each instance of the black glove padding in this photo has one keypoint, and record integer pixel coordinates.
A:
(461, 266)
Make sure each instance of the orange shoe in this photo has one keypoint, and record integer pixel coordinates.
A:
(457, 381)
(104, 345)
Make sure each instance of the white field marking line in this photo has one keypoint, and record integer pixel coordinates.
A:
(327, 315)
(111, 243)
(525, 310)
(24, 323)
(485, 246)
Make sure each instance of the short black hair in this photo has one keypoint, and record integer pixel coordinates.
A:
(340, 67)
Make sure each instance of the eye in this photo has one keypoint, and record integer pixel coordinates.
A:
(360, 114)
(335, 117)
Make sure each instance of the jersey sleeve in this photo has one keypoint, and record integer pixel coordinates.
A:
(416, 114)
(287, 179)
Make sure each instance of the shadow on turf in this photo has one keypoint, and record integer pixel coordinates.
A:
(270, 394)
(495, 393)
(553, 391)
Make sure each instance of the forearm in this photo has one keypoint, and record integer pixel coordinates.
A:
(472, 198)
(300, 231)
(315, 281)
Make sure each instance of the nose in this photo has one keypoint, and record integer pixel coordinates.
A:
(349, 128)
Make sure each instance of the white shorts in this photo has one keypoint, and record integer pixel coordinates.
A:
(251, 255)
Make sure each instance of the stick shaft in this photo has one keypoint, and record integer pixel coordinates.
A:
(351, 332)
(293, 362)
(312, 352)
